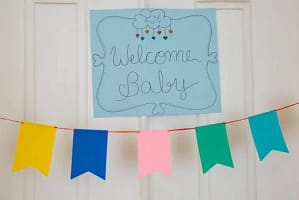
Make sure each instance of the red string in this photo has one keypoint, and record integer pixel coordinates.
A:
(122, 131)
(11, 120)
(62, 128)
(288, 106)
(237, 120)
(181, 129)
(170, 130)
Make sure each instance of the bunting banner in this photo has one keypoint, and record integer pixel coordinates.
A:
(34, 147)
(154, 152)
(89, 152)
(267, 134)
(213, 146)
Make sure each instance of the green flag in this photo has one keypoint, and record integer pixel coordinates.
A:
(213, 146)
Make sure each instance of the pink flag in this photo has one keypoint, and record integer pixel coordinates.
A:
(154, 152)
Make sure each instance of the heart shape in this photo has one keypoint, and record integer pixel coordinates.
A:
(170, 31)
(142, 38)
(159, 32)
(165, 37)
(137, 35)
(153, 37)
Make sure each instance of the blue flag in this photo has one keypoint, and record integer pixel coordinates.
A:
(89, 152)
(267, 134)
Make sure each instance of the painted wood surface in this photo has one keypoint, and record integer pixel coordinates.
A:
(45, 77)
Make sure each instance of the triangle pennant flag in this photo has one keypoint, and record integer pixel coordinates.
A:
(34, 147)
(89, 152)
(154, 152)
(266, 133)
(213, 146)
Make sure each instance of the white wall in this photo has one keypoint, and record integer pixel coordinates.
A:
(44, 77)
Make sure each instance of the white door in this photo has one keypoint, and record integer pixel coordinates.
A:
(44, 77)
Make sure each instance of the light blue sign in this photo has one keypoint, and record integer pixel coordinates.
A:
(154, 62)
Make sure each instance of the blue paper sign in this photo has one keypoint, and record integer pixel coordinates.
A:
(154, 62)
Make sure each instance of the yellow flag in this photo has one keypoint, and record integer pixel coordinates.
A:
(34, 147)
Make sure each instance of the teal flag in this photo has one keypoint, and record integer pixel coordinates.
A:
(213, 146)
(266, 133)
